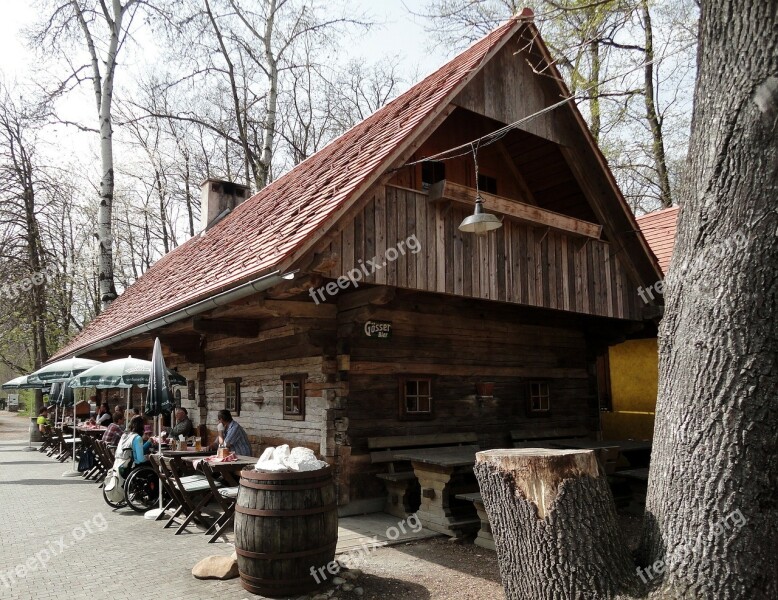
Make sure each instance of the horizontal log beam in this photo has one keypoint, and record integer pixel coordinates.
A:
(446, 190)
(242, 328)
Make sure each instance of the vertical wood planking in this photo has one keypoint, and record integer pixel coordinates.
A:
(459, 264)
(380, 232)
(359, 240)
(410, 229)
(565, 274)
(391, 233)
(608, 281)
(402, 228)
(368, 221)
(420, 258)
(468, 259)
(440, 249)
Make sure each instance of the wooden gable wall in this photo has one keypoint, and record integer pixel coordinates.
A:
(519, 263)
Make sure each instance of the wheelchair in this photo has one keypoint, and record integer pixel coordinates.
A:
(141, 489)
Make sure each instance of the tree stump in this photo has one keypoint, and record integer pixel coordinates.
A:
(554, 525)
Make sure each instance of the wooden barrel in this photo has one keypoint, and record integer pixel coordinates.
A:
(286, 529)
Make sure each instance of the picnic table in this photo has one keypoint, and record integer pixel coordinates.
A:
(637, 452)
(443, 473)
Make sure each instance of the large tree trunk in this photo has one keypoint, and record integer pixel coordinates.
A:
(554, 525)
(712, 507)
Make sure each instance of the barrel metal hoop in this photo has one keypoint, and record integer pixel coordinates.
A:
(259, 512)
(286, 488)
(287, 475)
(283, 555)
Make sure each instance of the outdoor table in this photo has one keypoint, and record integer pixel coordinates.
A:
(637, 452)
(443, 473)
(187, 452)
(229, 471)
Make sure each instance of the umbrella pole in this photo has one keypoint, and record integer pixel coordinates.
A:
(74, 471)
(154, 513)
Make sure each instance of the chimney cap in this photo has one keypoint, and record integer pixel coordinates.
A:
(225, 181)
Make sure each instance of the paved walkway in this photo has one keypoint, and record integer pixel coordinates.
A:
(58, 539)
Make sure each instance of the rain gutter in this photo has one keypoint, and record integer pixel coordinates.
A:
(242, 291)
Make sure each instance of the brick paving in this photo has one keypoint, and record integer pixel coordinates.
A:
(108, 554)
(59, 539)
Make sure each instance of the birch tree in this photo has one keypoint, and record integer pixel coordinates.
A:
(101, 29)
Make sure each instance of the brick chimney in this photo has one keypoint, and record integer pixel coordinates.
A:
(217, 199)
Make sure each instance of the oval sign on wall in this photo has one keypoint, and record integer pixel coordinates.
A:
(378, 329)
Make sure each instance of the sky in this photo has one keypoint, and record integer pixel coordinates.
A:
(397, 33)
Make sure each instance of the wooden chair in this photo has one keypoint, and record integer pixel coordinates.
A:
(193, 493)
(226, 497)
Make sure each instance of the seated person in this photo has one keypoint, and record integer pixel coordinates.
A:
(114, 432)
(131, 443)
(44, 425)
(183, 424)
(234, 436)
(103, 417)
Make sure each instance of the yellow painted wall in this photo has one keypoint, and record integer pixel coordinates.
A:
(634, 375)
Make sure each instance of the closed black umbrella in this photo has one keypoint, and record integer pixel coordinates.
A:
(159, 399)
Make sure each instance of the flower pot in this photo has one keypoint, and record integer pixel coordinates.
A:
(484, 388)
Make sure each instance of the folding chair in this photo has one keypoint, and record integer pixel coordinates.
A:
(226, 497)
(193, 494)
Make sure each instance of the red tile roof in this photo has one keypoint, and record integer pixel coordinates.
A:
(659, 230)
(274, 223)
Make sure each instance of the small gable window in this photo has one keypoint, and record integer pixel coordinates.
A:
(487, 184)
(431, 173)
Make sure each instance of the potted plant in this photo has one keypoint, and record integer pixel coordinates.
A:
(484, 388)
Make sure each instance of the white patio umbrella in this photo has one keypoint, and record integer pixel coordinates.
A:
(62, 371)
(23, 383)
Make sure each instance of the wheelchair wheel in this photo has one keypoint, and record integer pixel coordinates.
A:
(112, 504)
(142, 490)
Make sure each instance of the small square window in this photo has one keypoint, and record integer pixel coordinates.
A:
(431, 173)
(487, 184)
(416, 397)
(293, 400)
(539, 400)
(232, 394)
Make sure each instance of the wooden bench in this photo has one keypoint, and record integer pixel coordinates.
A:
(484, 537)
(403, 491)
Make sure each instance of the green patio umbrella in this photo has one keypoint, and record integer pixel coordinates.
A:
(121, 373)
(22, 383)
(61, 370)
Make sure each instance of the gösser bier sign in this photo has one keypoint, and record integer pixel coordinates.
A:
(378, 329)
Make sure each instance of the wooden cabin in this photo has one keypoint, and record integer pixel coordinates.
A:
(342, 302)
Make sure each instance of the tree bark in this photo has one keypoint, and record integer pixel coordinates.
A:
(712, 507)
(554, 525)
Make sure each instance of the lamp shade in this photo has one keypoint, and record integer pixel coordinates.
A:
(480, 222)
